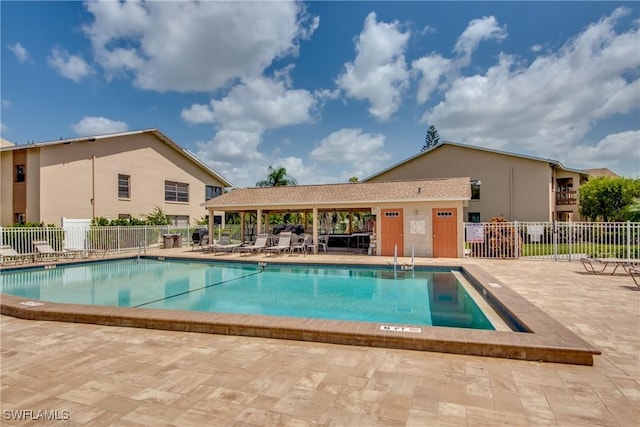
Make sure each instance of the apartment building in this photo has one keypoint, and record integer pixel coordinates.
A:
(514, 186)
(117, 175)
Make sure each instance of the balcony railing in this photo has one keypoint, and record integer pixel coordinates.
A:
(566, 198)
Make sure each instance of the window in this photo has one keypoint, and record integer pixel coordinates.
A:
(176, 191)
(20, 218)
(124, 182)
(475, 190)
(444, 214)
(180, 221)
(210, 192)
(474, 216)
(20, 173)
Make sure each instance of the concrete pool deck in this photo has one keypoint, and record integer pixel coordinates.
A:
(124, 376)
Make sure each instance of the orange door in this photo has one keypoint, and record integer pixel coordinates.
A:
(392, 229)
(445, 233)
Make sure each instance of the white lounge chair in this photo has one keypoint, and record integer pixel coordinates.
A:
(257, 246)
(7, 254)
(284, 243)
(224, 245)
(44, 251)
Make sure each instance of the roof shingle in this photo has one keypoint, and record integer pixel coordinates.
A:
(338, 194)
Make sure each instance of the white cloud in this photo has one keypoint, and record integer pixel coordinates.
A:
(546, 107)
(478, 30)
(379, 72)
(195, 45)
(22, 54)
(98, 126)
(434, 70)
(70, 66)
(620, 151)
(360, 153)
(243, 115)
(3, 128)
(6, 103)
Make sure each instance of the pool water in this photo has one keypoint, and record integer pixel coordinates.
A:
(433, 298)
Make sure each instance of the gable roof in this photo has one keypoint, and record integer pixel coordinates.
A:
(602, 172)
(328, 195)
(154, 131)
(555, 163)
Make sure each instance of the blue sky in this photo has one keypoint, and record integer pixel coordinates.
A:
(329, 90)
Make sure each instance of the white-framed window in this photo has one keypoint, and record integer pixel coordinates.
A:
(124, 186)
(176, 191)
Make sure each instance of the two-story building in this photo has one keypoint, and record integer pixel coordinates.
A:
(117, 175)
(513, 186)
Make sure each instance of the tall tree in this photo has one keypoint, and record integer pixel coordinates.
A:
(432, 138)
(277, 177)
(607, 197)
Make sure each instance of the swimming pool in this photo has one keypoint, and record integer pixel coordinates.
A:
(428, 297)
(530, 334)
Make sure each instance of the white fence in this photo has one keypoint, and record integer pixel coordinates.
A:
(553, 240)
(536, 240)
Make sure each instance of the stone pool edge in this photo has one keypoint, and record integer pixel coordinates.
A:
(546, 341)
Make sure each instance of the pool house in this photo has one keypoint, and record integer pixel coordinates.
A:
(423, 218)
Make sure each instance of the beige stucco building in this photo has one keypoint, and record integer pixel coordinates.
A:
(116, 175)
(419, 217)
(513, 186)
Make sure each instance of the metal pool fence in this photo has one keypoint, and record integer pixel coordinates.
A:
(111, 239)
(553, 240)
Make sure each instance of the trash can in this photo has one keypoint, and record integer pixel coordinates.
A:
(177, 240)
(168, 241)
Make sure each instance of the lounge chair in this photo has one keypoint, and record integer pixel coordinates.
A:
(284, 243)
(44, 251)
(224, 245)
(635, 275)
(257, 246)
(602, 263)
(7, 253)
(302, 244)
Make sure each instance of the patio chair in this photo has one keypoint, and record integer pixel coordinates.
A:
(257, 246)
(323, 242)
(7, 253)
(45, 251)
(302, 244)
(284, 243)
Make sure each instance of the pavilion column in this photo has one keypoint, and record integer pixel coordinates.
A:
(242, 226)
(315, 230)
(210, 225)
(259, 221)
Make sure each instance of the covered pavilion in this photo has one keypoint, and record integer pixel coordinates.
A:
(421, 216)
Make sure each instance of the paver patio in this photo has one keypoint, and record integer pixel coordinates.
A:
(101, 375)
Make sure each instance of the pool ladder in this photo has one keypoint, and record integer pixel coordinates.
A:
(404, 266)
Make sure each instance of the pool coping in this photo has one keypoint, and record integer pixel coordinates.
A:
(546, 340)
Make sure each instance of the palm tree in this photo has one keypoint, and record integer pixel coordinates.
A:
(277, 177)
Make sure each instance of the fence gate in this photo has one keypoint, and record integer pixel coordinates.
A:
(75, 233)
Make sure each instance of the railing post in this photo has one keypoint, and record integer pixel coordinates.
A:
(555, 241)
(628, 239)
(516, 227)
(570, 226)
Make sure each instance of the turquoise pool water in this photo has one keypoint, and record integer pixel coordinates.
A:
(341, 293)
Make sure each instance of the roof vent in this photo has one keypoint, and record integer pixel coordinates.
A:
(419, 190)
